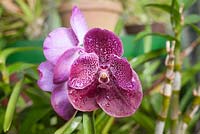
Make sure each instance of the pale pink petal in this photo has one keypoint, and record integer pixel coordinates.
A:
(61, 104)
(63, 65)
(57, 42)
(78, 24)
(45, 81)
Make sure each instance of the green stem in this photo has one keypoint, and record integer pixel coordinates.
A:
(88, 123)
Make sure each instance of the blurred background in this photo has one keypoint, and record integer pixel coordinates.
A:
(25, 23)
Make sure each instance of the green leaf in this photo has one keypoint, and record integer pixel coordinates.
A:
(193, 122)
(70, 126)
(6, 52)
(189, 73)
(38, 96)
(145, 121)
(144, 34)
(100, 121)
(191, 19)
(146, 57)
(26, 10)
(156, 102)
(119, 26)
(187, 3)
(32, 116)
(2, 113)
(18, 67)
(12, 105)
(166, 8)
(108, 125)
(88, 123)
(185, 99)
(195, 28)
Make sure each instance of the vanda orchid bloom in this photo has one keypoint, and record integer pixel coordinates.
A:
(91, 76)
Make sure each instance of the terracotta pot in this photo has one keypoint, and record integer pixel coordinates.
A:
(102, 14)
(136, 28)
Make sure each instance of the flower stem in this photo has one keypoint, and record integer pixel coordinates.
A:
(88, 123)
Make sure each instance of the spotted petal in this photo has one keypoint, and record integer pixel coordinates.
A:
(57, 42)
(63, 65)
(125, 76)
(60, 102)
(83, 71)
(118, 102)
(84, 100)
(78, 24)
(103, 43)
(45, 81)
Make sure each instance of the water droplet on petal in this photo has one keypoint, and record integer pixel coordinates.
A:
(108, 104)
(108, 97)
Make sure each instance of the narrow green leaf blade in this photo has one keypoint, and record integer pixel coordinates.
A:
(18, 67)
(6, 52)
(12, 105)
(145, 121)
(31, 116)
(187, 3)
(88, 123)
(26, 10)
(119, 26)
(164, 7)
(192, 19)
(144, 34)
(195, 28)
(70, 126)
(145, 57)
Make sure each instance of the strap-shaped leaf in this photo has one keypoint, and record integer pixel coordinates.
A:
(146, 57)
(195, 28)
(70, 126)
(187, 3)
(12, 105)
(191, 19)
(144, 34)
(169, 9)
(165, 7)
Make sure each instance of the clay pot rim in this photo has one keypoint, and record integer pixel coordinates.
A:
(93, 5)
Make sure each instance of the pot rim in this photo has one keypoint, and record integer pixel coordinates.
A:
(92, 5)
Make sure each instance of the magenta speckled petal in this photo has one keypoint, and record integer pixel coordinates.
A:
(78, 24)
(57, 42)
(118, 102)
(103, 43)
(63, 65)
(61, 104)
(45, 81)
(125, 76)
(83, 71)
(84, 100)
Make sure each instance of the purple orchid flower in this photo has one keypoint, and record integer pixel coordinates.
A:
(86, 78)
